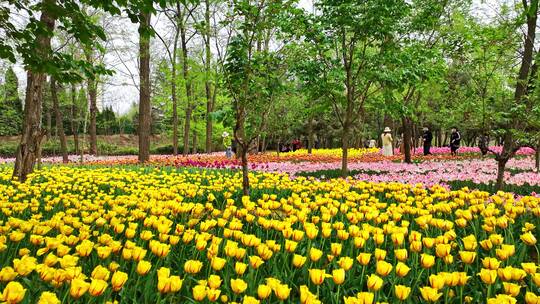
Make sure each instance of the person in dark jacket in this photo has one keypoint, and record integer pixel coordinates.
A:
(455, 139)
(483, 144)
(427, 137)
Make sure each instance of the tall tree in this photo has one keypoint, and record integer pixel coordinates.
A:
(59, 121)
(144, 91)
(11, 109)
(253, 72)
(32, 132)
(210, 88)
(521, 104)
(347, 36)
(92, 85)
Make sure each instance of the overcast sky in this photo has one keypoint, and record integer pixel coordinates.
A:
(120, 90)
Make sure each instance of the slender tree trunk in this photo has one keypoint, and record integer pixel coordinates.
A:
(59, 121)
(195, 143)
(208, 83)
(48, 120)
(173, 92)
(501, 165)
(32, 133)
(311, 138)
(510, 146)
(144, 98)
(187, 81)
(92, 95)
(537, 157)
(245, 170)
(345, 152)
(406, 140)
(74, 119)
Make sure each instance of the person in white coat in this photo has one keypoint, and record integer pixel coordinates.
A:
(387, 142)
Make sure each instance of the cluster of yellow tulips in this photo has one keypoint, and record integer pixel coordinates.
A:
(147, 235)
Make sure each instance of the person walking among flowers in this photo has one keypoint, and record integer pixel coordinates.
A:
(387, 142)
(227, 142)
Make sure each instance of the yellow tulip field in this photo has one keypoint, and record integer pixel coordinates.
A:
(146, 235)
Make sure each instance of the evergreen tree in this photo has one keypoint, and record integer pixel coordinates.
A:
(11, 109)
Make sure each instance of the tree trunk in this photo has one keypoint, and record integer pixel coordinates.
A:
(59, 121)
(144, 97)
(195, 143)
(92, 95)
(537, 157)
(74, 119)
(310, 135)
(245, 170)
(208, 83)
(510, 146)
(173, 92)
(345, 150)
(406, 140)
(501, 165)
(48, 120)
(32, 133)
(187, 81)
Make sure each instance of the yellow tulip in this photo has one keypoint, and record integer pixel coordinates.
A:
(238, 286)
(427, 261)
(214, 281)
(430, 294)
(217, 263)
(437, 281)
(531, 298)
(502, 299)
(338, 275)
(315, 254)
(97, 287)
(118, 280)
(240, 268)
(101, 273)
(143, 267)
(365, 297)
(193, 266)
(402, 292)
(467, 257)
(263, 291)
(374, 282)
(213, 294)
(282, 292)
(317, 276)
(402, 269)
(298, 260)
(363, 258)
(48, 298)
(7, 274)
(255, 261)
(401, 254)
(469, 242)
(383, 268)
(199, 292)
(488, 276)
(13, 293)
(442, 250)
(491, 263)
(78, 288)
(345, 263)
(528, 238)
(529, 268)
(511, 289)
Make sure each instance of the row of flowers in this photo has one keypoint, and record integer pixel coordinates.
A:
(218, 159)
(74, 234)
